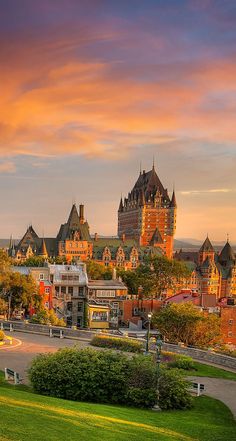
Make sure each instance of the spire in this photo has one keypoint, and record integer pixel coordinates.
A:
(10, 243)
(173, 200)
(73, 219)
(206, 246)
(43, 249)
(153, 162)
(227, 254)
(121, 206)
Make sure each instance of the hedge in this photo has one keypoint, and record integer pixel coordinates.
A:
(122, 344)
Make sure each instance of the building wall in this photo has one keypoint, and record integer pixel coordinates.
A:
(228, 324)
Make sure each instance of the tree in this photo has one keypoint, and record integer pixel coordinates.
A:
(158, 274)
(177, 321)
(22, 291)
(130, 279)
(185, 323)
(206, 331)
(96, 271)
(3, 306)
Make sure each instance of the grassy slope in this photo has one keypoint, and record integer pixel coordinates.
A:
(27, 416)
(204, 370)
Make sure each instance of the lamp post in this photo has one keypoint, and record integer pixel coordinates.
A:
(159, 343)
(148, 333)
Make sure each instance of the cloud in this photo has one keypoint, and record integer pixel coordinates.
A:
(105, 88)
(201, 192)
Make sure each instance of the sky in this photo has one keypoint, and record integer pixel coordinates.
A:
(89, 90)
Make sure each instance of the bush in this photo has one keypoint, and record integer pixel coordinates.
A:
(141, 382)
(106, 377)
(173, 390)
(2, 335)
(45, 317)
(182, 362)
(85, 375)
(123, 344)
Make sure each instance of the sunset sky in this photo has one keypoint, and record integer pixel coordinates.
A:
(89, 89)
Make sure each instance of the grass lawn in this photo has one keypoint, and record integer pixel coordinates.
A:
(26, 416)
(205, 370)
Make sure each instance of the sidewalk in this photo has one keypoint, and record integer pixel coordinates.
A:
(219, 388)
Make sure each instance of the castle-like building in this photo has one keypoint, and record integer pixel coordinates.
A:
(212, 273)
(148, 215)
(146, 226)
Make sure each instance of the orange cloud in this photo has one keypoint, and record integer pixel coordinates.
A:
(57, 102)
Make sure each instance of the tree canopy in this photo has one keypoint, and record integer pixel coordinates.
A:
(186, 323)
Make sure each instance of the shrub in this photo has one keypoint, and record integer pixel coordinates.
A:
(106, 377)
(182, 362)
(45, 317)
(173, 390)
(123, 344)
(2, 335)
(85, 375)
(141, 382)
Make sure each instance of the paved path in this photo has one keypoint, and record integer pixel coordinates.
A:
(26, 346)
(221, 389)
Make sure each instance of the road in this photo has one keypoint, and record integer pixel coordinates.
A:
(26, 346)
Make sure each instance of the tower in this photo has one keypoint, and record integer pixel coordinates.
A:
(147, 214)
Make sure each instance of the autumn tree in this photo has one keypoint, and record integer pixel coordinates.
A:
(184, 322)
(3, 306)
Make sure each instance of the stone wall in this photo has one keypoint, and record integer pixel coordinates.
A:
(200, 355)
(44, 329)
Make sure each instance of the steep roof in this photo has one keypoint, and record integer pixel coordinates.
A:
(150, 183)
(173, 202)
(227, 255)
(74, 224)
(206, 246)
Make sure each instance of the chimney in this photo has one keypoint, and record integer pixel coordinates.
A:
(123, 237)
(96, 237)
(81, 214)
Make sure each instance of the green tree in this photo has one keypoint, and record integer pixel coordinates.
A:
(130, 279)
(22, 290)
(177, 321)
(185, 322)
(158, 274)
(96, 271)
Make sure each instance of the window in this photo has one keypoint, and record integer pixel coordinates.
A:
(106, 293)
(63, 290)
(80, 306)
(81, 291)
(47, 290)
(69, 306)
(230, 334)
(70, 290)
(99, 316)
(231, 322)
(41, 276)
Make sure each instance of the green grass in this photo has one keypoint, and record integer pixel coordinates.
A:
(204, 370)
(26, 416)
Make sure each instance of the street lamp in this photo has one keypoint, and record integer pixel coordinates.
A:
(148, 333)
(159, 343)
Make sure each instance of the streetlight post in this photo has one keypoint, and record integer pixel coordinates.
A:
(159, 343)
(148, 333)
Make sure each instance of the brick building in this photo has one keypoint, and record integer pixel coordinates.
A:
(148, 215)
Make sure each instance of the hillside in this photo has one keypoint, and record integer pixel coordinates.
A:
(26, 416)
